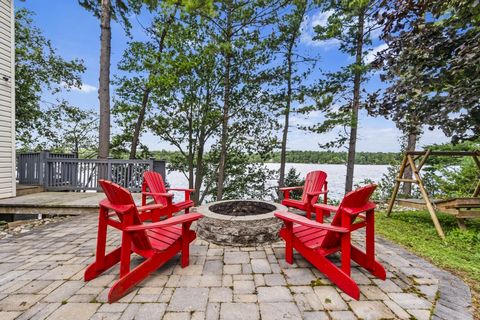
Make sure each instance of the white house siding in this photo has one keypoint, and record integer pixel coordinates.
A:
(7, 100)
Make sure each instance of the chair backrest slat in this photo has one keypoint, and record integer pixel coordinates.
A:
(314, 182)
(354, 199)
(154, 182)
(118, 196)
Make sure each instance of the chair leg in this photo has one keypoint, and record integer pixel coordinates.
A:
(94, 270)
(185, 240)
(336, 275)
(128, 281)
(288, 242)
(361, 258)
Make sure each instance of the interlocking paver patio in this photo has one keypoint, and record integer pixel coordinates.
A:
(41, 278)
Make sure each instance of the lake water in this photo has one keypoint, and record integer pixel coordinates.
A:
(335, 172)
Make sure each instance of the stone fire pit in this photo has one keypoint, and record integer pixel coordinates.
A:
(239, 222)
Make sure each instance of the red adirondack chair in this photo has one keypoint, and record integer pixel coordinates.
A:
(315, 185)
(157, 242)
(153, 186)
(315, 241)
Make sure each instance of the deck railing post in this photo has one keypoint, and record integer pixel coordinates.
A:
(43, 173)
(109, 168)
(159, 166)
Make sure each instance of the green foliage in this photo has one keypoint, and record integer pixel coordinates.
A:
(39, 71)
(338, 94)
(331, 157)
(444, 177)
(415, 230)
(292, 179)
(72, 130)
(431, 66)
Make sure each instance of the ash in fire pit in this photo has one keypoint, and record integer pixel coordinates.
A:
(239, 222)
(242, 208)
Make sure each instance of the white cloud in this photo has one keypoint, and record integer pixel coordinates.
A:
(309, 23)
(371, 55)
(85, 88)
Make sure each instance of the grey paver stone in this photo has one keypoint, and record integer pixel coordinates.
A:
(342, 315)
(213, 267)
(64, 291)
(410, 301)
(279, 310)
(371, 310)
(232, 269)
(245, 298)
(220, 295)
(396, 309)
(387, 285)
(236, 257)
(299, 276)
(315, 315)
(420, 314)
(19, 302)
(259, 280)
(150, 311)
(213, 311)
(274, 280)
(39, 311)
(198, 315)
(176, 316)
(261, 266)
(373, 293)
(62, 272)
(239, 311)
(9, 315)
(330, 298)
(211, 281)
(243, 287)
(75, 311)
(274, 294)
(189, 299)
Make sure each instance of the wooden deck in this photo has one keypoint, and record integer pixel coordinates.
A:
(55, 203)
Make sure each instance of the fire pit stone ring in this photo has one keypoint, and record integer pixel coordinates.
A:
(239, 222)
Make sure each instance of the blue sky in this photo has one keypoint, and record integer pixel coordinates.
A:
(75, 33)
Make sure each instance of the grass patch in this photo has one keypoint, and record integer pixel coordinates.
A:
(459, 255)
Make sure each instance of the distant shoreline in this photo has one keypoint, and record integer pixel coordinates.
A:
(309, 157)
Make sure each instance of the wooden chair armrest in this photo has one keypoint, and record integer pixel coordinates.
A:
(166, 223)
(367, 207)
(161, 194)
(290, 188)
(326, 207)
(316, 193)
(119, 208)
(150, 207)
(291, 217)
(180, 189)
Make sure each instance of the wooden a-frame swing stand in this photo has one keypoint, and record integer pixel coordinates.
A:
(461, 208)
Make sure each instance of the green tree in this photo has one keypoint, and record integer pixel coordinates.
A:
(237, 31)
(39, 71)
(288, 78)
(351, 24)
(431, 67)
(71, 129)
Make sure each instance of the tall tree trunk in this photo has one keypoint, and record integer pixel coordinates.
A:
(104, 81)
(191, 151)
(226, 109)
(408, 174)
(301, 7)
(283, 153)
(147, 89)
(355, 104)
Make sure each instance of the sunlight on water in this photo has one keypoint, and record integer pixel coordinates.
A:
(336, 175)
